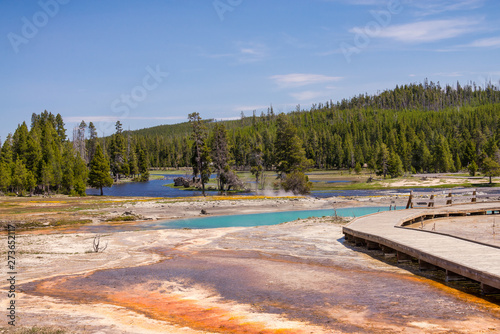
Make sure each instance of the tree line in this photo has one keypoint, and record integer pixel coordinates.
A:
(412, 128)
(42, 159)
(212, 153)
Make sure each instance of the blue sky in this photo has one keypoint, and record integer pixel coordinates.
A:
(153, 62)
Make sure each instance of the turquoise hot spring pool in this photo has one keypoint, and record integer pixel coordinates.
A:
(260, 219)
(247, 220)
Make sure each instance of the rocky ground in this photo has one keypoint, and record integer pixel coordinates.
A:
(298, 277)
(165, 209)
(64, 211)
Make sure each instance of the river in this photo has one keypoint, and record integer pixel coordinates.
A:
(157, 188)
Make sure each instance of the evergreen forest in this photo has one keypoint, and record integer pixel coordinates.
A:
(412, 128)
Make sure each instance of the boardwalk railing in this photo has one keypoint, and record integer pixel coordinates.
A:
(459, 257)
(446, 197)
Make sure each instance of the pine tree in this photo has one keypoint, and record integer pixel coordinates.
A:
(20, 142)
(132, 163)
(291, 158)
(383, 157)
(338, 151)
(50, 164)
(5, 176)
(79, 140)
(19, 176)
(395, 165)
(220, 152)
(358, 168)
(143, 166)
(349, 160)
(30, 182)
(200, 157)
(57, 171)
(34, 153)
(469, 152)
(290, 155)
(99, 176)
(6, 161)
(61, 131)
(472, 168)
(443, 159)
(118, 148)
(92, 141)
(68, 181)
(68, 170)
(257, 165)
(80, 172)
(458, 163)
(45, 176)
(490, 168)
(6, 154)
(421, 156)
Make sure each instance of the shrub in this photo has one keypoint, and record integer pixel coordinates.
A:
(297, 182)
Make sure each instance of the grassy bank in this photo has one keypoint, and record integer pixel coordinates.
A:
(335, 180)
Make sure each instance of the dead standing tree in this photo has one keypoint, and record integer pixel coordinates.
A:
(79, 140)
(96, 245)
(200, 159)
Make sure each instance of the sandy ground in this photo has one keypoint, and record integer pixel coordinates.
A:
(433, 180)
(427, 182)
(297, 277)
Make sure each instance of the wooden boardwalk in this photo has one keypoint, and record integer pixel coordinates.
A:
(460, 258)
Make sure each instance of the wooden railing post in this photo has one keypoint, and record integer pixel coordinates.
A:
(410, 201)
(431, 202)
(449, 200)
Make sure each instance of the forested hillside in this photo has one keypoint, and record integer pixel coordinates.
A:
(412, 128)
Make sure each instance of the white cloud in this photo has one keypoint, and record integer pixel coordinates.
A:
(302, 79)
(433, 7)
(423, 7)
(329, 53)
(250, 52)
(425, 31)
(307, 95)
(485, 43)
(242, 52)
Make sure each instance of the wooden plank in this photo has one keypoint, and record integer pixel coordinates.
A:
(479, 262)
